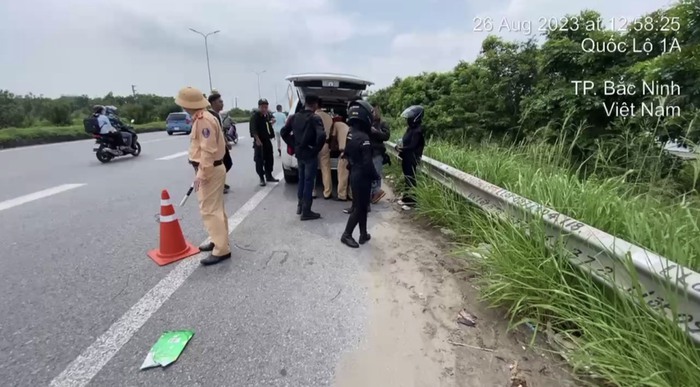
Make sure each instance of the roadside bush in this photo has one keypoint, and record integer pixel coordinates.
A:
(59, 114)
(30, 110)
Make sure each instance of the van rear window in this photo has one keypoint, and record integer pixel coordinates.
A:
(176, 117)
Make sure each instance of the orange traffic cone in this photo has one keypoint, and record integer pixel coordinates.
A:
(173, 246)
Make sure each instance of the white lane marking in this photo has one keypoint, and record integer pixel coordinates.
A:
(37, 195)
(174, 156)
(159, 139)
(81, 371)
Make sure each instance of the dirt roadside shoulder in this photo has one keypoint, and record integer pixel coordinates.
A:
(417, 290)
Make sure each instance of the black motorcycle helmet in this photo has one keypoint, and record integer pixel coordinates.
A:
(413, 115)
(360, 113)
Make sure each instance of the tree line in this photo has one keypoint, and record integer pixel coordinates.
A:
(31, 110)
(533, 89)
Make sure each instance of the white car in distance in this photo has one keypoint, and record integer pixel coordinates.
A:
(335, 91)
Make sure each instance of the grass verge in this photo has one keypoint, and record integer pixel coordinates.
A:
(17, 137)
(605, 335)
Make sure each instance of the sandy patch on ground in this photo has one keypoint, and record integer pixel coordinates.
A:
(417, 290)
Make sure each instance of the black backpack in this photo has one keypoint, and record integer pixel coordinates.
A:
(308, 133)
(92, 126)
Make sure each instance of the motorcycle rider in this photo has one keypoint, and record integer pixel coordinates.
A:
(411, 149)
(111, 112)
(358, 151)
(106, 128)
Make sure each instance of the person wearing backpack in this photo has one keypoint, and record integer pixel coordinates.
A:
(306, 130)
(104, 127)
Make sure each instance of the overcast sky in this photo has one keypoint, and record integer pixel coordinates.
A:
(72, 47)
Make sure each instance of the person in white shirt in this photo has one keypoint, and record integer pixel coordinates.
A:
(106, 127)
(280, 119)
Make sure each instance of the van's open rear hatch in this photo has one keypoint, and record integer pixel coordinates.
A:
(331, 88)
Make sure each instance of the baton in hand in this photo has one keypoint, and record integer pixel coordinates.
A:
(187, 195)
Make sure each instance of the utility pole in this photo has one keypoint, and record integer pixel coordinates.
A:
(258, 73)
(206, 48)
(236, 102)
(133, 90)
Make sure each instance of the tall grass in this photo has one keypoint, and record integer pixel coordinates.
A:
(621, 342)
(641, 214)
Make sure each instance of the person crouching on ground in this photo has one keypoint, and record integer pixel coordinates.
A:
(358, 151)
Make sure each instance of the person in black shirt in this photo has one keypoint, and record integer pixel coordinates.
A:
(378, 135)
(305, 130)
(216, 106)
(411, 150)
(261, 131)
(358, 151)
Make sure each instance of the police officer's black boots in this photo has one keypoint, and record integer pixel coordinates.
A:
(349, 241)
(271, 179)
(364, 238)
(299, 205)
(306, 213)
(262, 182)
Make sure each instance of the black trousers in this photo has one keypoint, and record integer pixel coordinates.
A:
(361, 187)
(408, 166)
(228, 163)
(264, 158)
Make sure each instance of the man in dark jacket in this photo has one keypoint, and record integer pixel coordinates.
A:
(216, 106)
(261, 131)
(411, 149)
(305, 130)
(378, 134)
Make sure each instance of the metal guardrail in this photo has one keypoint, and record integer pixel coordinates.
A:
(670, 289)
(683, 155)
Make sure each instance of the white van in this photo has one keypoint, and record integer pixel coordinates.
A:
(335, 91)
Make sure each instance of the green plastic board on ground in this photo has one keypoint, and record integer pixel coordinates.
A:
(167, 349)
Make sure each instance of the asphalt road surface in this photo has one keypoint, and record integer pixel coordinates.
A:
(82, 303)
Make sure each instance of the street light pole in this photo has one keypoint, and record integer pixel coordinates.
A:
(206, 47)
(258, 73)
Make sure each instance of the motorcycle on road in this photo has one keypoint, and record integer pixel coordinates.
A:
(107, 149)
(232, 135)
